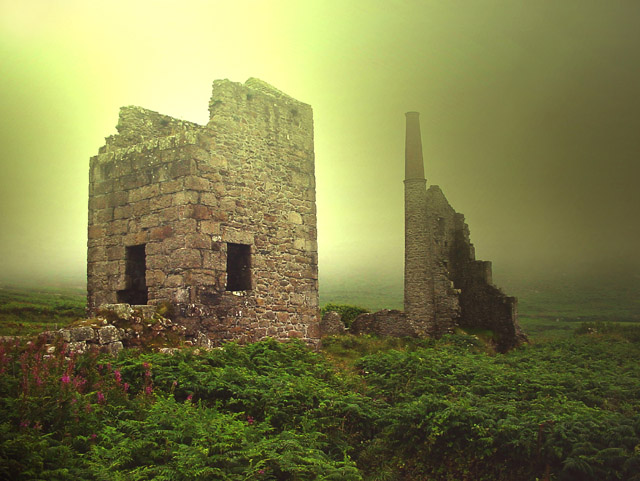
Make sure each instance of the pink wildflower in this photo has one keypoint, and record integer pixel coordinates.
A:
(148, 390)
(261, 471)
(93, 436)
(250, 420)
(100, 397)
(24, 424)
(189, 397)
(118, 376)
(66, 379)
(125, 387)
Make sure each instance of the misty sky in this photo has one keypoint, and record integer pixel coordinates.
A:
(530, 114)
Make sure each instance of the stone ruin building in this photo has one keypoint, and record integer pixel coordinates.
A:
(444, 285)
(216, 221)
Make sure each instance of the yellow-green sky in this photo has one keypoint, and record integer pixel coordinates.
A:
(530, 116)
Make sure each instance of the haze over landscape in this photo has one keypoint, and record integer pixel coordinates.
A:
(529, 114)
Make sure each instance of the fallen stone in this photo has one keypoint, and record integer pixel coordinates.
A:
(331, 324)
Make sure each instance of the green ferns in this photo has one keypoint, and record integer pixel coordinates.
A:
(404, 409)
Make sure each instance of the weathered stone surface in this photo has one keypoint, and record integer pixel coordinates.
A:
(121, 311)
(79, 347)
(331, 324)
(445, 286)
(169, 199)
(113, 348)
(383, 323)
(108, 334)
(81, 334)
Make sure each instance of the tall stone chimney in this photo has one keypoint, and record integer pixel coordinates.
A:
(418, 285)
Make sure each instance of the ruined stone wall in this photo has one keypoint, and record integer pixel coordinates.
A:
(483, 305)
(232, 202)
(445, 286)
(441, 233)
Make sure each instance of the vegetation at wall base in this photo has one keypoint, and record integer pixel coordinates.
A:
(347, 312)
(363, 408)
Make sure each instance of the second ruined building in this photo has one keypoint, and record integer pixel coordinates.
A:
(444, 285)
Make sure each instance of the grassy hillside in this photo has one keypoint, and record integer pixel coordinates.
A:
(25, 311)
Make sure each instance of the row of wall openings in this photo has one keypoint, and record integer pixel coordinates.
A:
(135, 292)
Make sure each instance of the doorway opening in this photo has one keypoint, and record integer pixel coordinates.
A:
(136, 292)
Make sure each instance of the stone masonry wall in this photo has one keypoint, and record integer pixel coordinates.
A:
(445, 286)
(441, 227)
(194, 197)
(464, 292)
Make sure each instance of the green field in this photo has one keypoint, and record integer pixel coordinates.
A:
(27, 311)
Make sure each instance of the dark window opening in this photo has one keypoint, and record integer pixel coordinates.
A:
(136, 292)
(238, 267)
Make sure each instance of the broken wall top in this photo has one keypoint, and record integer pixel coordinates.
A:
(250, 106)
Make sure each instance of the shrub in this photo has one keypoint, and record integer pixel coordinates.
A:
(348, 313)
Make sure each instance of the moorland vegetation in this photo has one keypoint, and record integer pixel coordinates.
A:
(361, 408)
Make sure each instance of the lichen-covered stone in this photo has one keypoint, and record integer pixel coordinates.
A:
(120, 311)
(78, 347)
(108, 334)
(85, 333)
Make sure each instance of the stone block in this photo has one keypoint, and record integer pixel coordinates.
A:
(331, 324)
(144, 192)
(121, 311)
(77, 334)
(79, 347)
(198, 241)
(108, 334)
(171, 186)
(383, 323)
(113, 348)
(185, 258)
(96, 231)
(196, 183)
(209, 227)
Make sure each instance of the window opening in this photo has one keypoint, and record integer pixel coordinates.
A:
(136, 292)
(238, 267)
